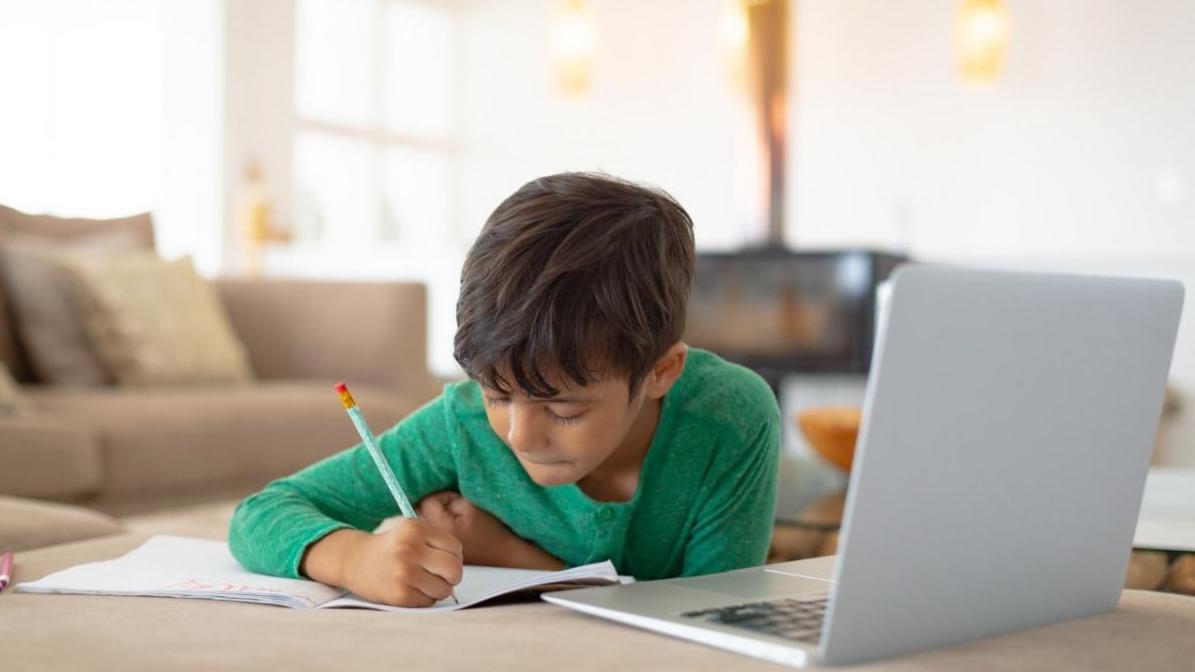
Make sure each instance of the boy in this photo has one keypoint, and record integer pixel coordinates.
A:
(587, 430)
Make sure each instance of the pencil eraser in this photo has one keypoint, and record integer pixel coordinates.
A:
(342, 388)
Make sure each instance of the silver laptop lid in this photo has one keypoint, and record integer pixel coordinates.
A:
(1007, 429)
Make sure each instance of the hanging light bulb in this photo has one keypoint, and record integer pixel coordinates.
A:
(572, 42)
(980, 35)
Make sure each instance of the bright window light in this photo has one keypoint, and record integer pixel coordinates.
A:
(334, 61)
(417, 192)
(81, 125)
(335, 179)
(417, 71)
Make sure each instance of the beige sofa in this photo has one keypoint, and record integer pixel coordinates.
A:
(129, 450)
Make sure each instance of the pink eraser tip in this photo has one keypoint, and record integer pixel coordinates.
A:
(341, 387)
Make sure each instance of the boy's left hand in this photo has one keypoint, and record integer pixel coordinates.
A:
(486, 540)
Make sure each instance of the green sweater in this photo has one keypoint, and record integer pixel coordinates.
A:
(704, 504)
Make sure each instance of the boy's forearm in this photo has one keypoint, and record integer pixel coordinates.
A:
(324, 560)
(524, 554)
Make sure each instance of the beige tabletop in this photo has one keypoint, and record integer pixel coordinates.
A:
(1154, 631)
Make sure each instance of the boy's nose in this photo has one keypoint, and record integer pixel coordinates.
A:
(522, 434)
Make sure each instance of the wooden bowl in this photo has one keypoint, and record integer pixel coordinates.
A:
(832, 431)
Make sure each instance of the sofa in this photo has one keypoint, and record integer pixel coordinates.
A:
(128, 450)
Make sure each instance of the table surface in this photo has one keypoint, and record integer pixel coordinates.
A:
(1148, 631)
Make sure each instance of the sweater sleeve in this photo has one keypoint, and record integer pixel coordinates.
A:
(734, 524)
(271, 529)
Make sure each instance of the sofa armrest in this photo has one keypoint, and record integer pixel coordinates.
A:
(43, 456)
(26, 524)
(367, 332)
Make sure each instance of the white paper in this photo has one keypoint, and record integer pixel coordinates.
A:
(1167, 519)
(169, 566)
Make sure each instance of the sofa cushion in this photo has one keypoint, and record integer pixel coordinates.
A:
(42, 456)
(173, 440)
(208, 520)
(151, 321)
(26, 524)
(390, 352)
(55, 228)
(46, 319)
(14, 221)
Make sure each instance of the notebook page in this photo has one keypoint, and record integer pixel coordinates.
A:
(169, 566)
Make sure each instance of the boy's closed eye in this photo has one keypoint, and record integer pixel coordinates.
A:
(562, 413)
(564, 419)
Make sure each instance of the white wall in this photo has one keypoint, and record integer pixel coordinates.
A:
(1081, 158)
(658, 109)
(1085, 148)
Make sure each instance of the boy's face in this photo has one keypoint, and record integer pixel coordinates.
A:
(563, 439)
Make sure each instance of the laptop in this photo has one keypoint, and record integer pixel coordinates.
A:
(1007, 428)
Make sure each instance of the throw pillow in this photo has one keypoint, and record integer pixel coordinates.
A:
(54, 229)
(153, 321)
(45, 316)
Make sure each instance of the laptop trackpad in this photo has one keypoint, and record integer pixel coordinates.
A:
(758, 584)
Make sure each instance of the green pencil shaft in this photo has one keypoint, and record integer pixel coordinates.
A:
(375, 451)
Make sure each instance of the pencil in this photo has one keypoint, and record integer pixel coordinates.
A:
(375, 452)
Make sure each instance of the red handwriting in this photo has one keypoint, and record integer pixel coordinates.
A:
(195, 584)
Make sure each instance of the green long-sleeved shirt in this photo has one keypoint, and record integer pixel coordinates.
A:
(704, 504)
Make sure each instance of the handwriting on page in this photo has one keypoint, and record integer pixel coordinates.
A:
(192, 583)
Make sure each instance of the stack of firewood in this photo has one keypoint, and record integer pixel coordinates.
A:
(1159, 570)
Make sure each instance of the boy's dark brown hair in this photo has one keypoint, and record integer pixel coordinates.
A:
(579, 274)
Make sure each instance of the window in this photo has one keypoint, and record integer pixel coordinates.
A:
(374, 149)
(112, 108)
(64, 151)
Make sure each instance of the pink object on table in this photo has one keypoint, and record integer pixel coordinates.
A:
(5, 570)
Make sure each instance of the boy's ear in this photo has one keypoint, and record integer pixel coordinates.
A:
(666, 370)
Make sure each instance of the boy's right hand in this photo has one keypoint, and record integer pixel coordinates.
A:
(413, 564)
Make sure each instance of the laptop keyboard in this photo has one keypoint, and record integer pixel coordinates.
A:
(796, 619)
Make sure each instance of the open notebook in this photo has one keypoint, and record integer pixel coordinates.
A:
(168, 566)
